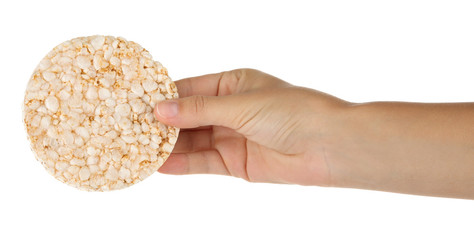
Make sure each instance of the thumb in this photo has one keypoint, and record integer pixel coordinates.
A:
(195, 111)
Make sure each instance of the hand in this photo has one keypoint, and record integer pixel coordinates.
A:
(251, 125)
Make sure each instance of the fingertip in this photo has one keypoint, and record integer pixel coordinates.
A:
(166, 109)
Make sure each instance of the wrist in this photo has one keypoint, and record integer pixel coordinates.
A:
(348, 146)
(331, 119)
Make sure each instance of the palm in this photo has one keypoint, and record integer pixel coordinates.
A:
(241, 157)
(221, 150)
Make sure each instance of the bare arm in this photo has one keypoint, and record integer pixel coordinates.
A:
(415, 148)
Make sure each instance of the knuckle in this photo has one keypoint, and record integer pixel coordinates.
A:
(198, 104)
(231, 81)
(243, 71)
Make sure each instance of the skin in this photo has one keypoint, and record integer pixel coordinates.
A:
(248, 124)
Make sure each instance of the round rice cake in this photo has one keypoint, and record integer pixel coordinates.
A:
(88, 113)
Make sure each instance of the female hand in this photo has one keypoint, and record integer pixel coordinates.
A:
(251, 125)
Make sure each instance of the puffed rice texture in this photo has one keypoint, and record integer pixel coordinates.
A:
(88, 113)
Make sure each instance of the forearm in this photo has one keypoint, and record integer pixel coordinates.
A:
(415, 148)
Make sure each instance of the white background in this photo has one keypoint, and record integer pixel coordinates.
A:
(357, 50)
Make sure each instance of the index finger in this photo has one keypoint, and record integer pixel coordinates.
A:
(226, 83)
(216, 84)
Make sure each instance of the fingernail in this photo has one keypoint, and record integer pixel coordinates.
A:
(167, 109)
